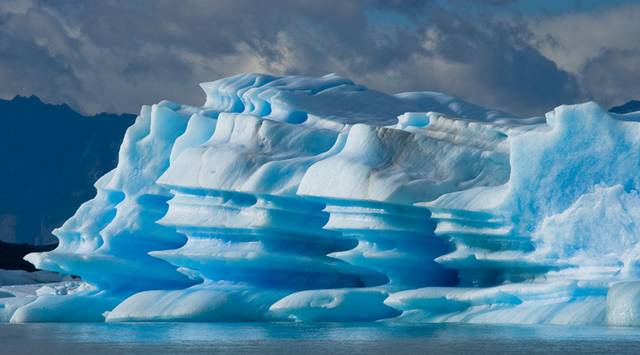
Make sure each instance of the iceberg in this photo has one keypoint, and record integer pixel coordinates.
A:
(316, 199)
(19, 288)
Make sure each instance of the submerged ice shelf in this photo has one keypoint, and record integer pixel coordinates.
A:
(316, 199)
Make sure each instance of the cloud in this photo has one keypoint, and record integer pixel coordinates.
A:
(116, 55)
(492, 64)
(601, 49)
(612, 77)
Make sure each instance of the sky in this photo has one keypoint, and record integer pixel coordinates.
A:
(521, 56)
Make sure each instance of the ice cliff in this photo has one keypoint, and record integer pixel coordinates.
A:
(316, 199)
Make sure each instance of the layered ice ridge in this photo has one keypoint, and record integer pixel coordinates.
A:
(565, 223)
(317, 199)
(108, 240)
(248, 198)
(512, 231)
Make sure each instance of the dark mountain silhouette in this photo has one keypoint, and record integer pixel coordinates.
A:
(631, 106)
(11, 255)
(50, 156)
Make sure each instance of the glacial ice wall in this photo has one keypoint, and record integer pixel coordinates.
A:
(316, 199)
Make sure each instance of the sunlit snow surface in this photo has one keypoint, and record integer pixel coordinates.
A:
(316, 199)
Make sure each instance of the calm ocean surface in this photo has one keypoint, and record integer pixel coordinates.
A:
(320, 338)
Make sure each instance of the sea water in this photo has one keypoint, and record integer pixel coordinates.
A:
(312, 338)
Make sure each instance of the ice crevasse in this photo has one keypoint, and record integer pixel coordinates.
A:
(317, 199)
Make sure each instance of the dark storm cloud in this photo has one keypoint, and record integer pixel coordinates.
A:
(117, 55)
(600, 49)
(613, 76)
(493, 64)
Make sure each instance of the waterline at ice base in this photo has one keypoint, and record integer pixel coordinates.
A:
(316, 199)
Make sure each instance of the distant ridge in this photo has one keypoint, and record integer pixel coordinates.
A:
(50, 156)
(11, 255)
(631, 106)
